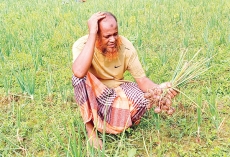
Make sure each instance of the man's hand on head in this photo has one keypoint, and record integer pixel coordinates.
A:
(93, 22)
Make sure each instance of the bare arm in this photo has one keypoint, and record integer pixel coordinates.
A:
(145, 84)
(83, 62)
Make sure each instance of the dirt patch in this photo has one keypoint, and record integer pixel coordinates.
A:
(4, 100)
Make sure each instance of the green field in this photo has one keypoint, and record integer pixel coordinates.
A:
(38, 113)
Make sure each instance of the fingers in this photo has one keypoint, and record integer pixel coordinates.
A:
(172, 92)
(93, 22)
(100, 15)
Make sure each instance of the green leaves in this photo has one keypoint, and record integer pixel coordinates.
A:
(188, 70)
(26, 80)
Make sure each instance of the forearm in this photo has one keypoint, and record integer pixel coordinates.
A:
(145, 83)
(83, 62)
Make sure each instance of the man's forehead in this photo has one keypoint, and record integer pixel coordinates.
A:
(107, 23)
(108, 19)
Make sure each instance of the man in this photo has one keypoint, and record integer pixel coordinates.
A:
(108, 102)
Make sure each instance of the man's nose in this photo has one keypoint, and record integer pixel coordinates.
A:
(112, 39)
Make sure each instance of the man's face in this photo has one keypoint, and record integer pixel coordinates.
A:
(108, 35)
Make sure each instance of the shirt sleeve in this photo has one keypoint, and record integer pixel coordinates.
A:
(134, 65)
(78, 46)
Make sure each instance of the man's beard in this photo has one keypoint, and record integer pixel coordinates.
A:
(109, 53)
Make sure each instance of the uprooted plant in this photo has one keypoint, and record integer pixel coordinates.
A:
(185, 71)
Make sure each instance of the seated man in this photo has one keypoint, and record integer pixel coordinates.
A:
(107, 101)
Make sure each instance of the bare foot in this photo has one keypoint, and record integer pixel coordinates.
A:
(95, 142)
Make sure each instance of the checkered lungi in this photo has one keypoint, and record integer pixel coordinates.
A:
(111, 109)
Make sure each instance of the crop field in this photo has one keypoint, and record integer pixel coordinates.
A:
(38, 112)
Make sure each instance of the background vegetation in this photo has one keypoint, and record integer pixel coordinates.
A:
(38, 114)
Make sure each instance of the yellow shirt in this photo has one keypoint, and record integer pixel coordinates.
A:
(111, 73)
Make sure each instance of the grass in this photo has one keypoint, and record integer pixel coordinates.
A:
(38, 113)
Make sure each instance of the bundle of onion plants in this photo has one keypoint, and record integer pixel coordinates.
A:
(185, 72)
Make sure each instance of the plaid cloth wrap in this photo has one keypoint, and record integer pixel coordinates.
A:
(118, 108)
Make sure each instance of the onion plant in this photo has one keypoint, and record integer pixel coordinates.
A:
(199, 115)
(188, 70)
(185, 71)
(26, 81)
(7, 82)
(49, 82)
(212, 104)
